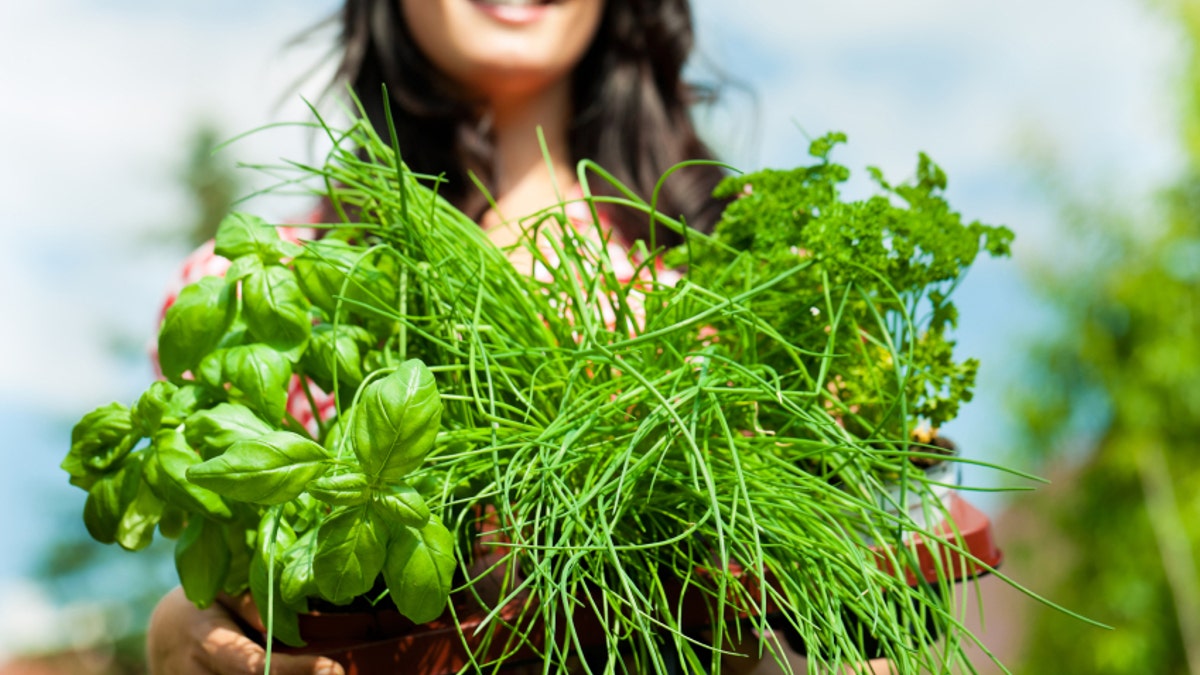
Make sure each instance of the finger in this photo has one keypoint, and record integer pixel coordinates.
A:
(228, 651)
(242, 607)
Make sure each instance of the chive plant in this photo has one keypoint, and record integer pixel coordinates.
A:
(630, 448)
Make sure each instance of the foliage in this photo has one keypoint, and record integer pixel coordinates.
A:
(212, 186)
(876, 273)
(1128, 347)
(1127, 358)
(629, 438)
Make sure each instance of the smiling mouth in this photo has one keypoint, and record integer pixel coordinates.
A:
(514, 3)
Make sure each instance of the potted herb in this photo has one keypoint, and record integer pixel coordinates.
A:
(561, 468)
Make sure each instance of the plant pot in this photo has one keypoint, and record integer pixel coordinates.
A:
(383, 641)
(912, 498)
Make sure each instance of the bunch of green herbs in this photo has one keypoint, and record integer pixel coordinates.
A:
(624, 444)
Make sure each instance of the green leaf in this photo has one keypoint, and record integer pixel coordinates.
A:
(166, 472)
(257, 373)
(186, 400)
(396, 422)
(243, 267)
(202, 561)
(100, 441)
(297, 582)
(241, 234)
(136, 529)
(174, 519)
(271, 469)
(194, 325)
(281, 618)
(329, 268)
(336, 350)
(402, 504)
(276, 311)
(419, 570)
(147, 414)
(109, 498)
(212, 431)
(321, 269)
(351, 547)
(237, 581)
(335, 436)
(346, 489)
(305, 512)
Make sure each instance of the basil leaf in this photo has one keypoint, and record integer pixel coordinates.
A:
(100, 441)
(194, 325)
(272, 469)
(237, 335)
(420, 567)
(241, 234)
(147, 414)
(136, 529)
(347, 489)
(243, 267)
(396, 422)
(109, 498)
(286, 623)
(202, 561)
(322, 269)
(336, 350)
(335, 435)
(402, 504)
(330, 270)
(351, 547)
(276, 311)
(237, 580)
(259, 374)
(304, 512)
(185, 401)
(166, 472)
(174, 519)
(212, 431)
(297, 582)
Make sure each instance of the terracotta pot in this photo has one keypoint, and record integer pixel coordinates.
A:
(383, 641)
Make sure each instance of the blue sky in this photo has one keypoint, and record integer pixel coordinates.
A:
(98, 97)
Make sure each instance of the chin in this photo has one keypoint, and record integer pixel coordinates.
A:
(483, 44)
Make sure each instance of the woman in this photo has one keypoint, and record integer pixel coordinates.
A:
(471, 82)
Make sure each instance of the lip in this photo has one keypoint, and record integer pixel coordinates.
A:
(513, 15)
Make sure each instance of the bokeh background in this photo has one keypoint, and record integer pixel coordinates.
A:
(1074, 122)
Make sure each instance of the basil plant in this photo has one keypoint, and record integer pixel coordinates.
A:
(255, 500)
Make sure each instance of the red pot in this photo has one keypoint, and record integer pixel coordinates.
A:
(383, 641)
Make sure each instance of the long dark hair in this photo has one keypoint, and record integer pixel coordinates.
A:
(631, 108)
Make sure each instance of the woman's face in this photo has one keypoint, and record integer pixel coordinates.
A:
(503, 48)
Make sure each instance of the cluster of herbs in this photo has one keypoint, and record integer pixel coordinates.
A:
(861, 288)
(630, 442)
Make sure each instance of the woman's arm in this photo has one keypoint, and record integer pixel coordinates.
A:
(184, 640)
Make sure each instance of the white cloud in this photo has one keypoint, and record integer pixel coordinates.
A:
(100, 98)
(99, 102)
(965, 82)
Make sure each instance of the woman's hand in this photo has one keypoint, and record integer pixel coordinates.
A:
(184, 640)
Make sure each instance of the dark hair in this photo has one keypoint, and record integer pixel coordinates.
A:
(631, 108)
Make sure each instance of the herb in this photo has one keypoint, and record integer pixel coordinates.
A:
(869, 281)
(634, 442)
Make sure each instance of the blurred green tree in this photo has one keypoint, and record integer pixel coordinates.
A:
(1123, 373)
(212, 184)
(74, 565)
